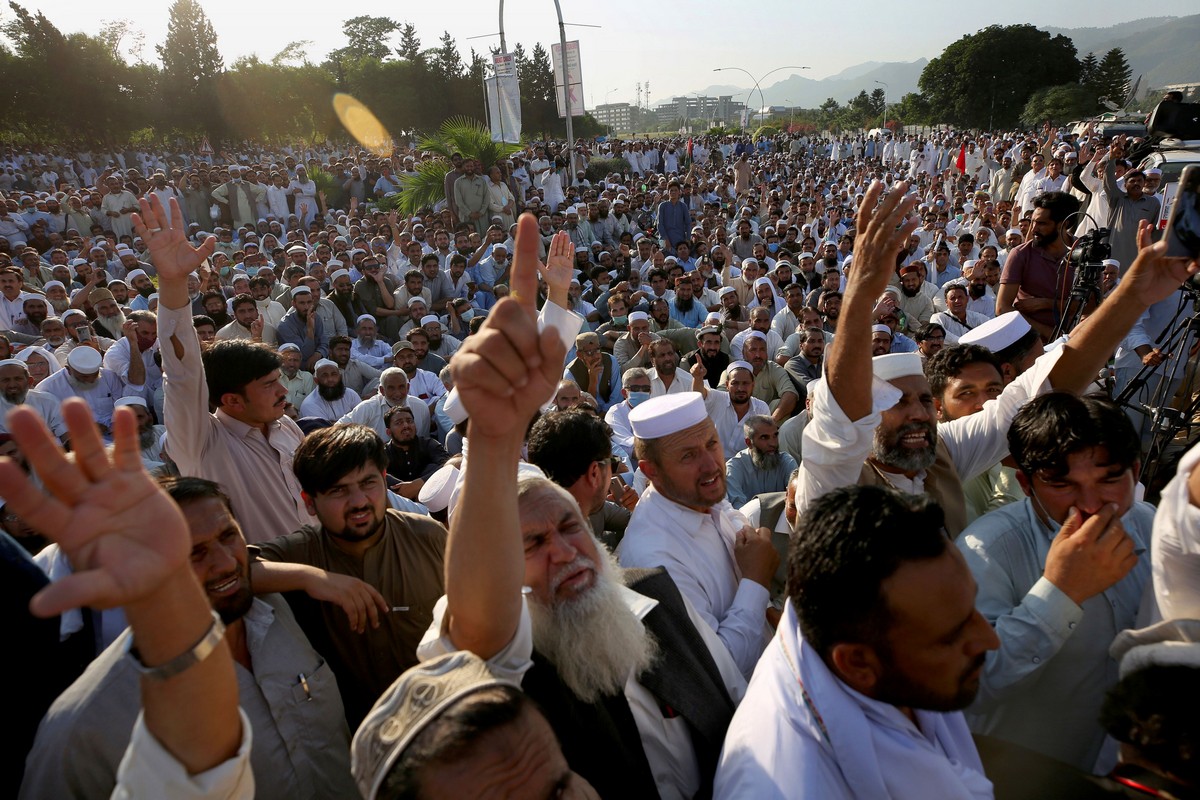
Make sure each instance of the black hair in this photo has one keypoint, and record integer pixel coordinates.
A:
(847, 543)
(241, 300)
(927, 330)
(948, 362)
(391, 412)
(334, 341)
(453, 737)
(328, 455)
(1060, 205)
(565, 443)
(231, 365)
(1156, 710)
(185, 490)
(202, 319)
(1050, 428)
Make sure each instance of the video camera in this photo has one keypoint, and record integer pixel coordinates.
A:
(1087, 257)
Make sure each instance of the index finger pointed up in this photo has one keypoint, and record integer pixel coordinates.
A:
(525, 264)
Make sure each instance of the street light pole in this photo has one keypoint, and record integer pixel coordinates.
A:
(758, 81)
(885, 103)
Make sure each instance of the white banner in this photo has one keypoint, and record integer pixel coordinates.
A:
(504, 100)
(573, 80)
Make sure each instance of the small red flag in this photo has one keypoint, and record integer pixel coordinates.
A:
(961, 163)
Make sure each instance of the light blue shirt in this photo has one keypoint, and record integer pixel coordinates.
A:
(744, 481)
(1044, 687)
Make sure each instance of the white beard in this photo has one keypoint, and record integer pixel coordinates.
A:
(113, 323)
(81, 386)
(617, 644)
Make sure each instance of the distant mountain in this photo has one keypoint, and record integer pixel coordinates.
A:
(1161, 49)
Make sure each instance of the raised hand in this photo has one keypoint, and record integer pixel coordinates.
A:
(1153, 276)
(882, 230)
(559, 268)
(507, 370)
(173, 255)
(123, 535)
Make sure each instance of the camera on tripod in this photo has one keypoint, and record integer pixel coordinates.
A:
(1087, 257)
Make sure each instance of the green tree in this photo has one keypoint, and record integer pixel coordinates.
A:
(1113, 75)
(1089, 69)
(539, 105)
(446, 63)
(1058, 105)
(878, 101)
(912, 109)
(367, 36)
(191, 67)
(983, 79)
(410, 43)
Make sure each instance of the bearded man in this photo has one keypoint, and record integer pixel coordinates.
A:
(760, 468)
(109, 317)
(333, 399)
(15, 391)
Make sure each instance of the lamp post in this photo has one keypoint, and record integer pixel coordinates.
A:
(608, 111)
(757, 81)
(885, 103)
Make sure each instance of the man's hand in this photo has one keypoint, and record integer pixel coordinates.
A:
(559, 268)
(882, 232)
(124, 536)
(756, 555)
(360, 600)
(699, 371)
(1086, 558)
(1153, 276)
(507, 371)
(173, 255)
(256, 328)
(129, 330)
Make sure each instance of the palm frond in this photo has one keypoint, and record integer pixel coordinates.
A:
(468, 137)
(425, 188)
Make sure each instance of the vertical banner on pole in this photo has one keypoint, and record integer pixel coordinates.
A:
(504, 99)
(572, 81)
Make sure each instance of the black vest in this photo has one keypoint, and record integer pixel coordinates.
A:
(601, 741)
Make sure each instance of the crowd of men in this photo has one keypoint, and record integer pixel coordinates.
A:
(773, 468)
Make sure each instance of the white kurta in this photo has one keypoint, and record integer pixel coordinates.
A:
(697, 551)
(370, 413)
(332, 410)
(802, 733)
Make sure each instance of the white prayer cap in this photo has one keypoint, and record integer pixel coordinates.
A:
(897, 365)
(122, 249)
(324, 362)
(881, 329)
(239, 276)
(137, 273)
(70, 312)
(85, 359)
(1152, 171)
(1108, 262)
(436, 492)
(416, 298)
(1170, 643)
(763, 282)
(724, 290)
(361, 317)
(713, 318)
(805, 255)
(1013, 232)
(997, 333)
(297, 248)
(756, 335)
(746, 261)
(341, 273)
(430, 319)
(333, 264)
(54, 285)
(14, 362)
(667, 414)
(739, 365)
(639, 316)
(970, 262)
(131, 401)
(79, 262)
(301, 289)
(94, 248)
(289, 346)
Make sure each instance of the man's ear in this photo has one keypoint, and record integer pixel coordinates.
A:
(1026, 485)
(308, 502)
(858, 665)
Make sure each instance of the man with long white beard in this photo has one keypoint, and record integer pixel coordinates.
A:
(760, 468)
(100, 388)
(56, 296)
(109, 316)
(150, 436)
(637, 688)
(15, 391)
(333, 399)
(54, 332)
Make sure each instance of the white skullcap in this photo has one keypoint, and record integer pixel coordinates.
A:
(297, 248)
(763, 282)
(970, 262)
(713, 318)
(746, 365)
(881, 329)
(333, 264)
(301, 290)
(805, 255)
(1108, 262)
(667, 414)
(416, 298)
(364, 316)
(1170, 643)
(897, 365)
(724, 290)
(639, 316)
(54, 285)
(70, 312)
(756, 335)
(239, 276)
(341, 273)
(14, 362)
(137, 273)
(438, 488)
(131, 401)
(289, 346)
(997, 333)
(85, 359)
(1152, 171)
(324, 362)
(430, 319)
(746, 261)
(1013, 232)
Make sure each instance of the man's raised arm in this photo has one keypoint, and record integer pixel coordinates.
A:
(502, 374)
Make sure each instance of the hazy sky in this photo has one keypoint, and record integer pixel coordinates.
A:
(673, 45)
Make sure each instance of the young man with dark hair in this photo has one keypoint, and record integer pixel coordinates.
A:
(879, 648)
(1060, 575)
(412, 458)
(1031, 282)
(248, 443)
(343, 472)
